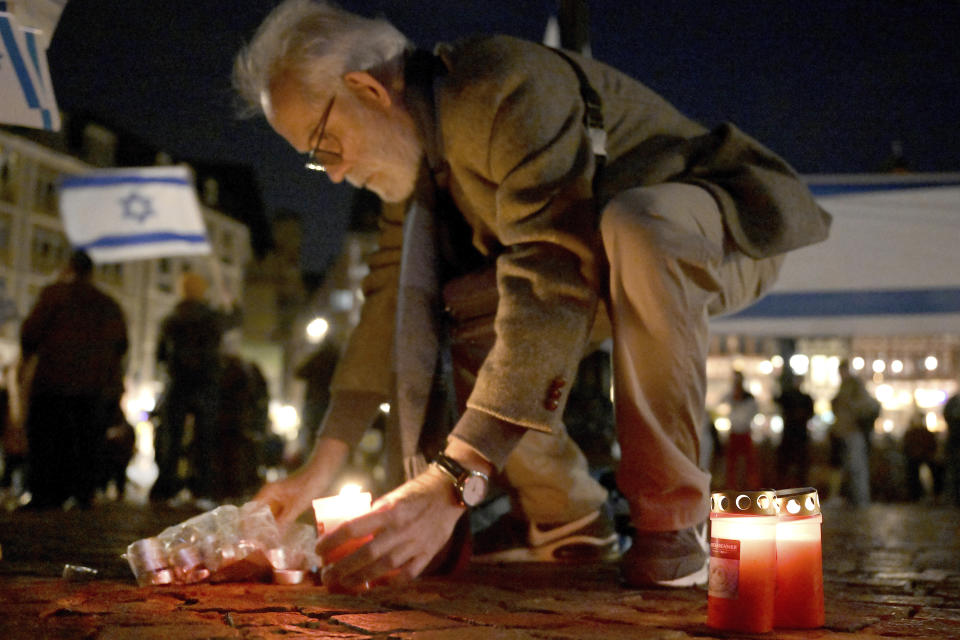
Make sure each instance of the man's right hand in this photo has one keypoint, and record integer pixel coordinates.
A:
(287, 499)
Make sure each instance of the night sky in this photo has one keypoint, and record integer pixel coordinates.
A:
(828, 84)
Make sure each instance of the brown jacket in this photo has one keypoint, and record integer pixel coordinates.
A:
(503, 124)
(79, 337)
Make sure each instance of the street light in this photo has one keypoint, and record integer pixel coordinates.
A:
(317, 330)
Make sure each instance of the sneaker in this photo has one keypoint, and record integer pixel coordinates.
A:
(591, 538)
(667, 558)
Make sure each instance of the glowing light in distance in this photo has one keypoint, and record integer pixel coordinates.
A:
(929, 398)
(317, 330)
(800, 364)
(776, 424)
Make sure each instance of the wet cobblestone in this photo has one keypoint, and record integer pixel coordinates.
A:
(890, 571)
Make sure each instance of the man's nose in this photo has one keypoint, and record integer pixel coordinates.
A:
(337, 173)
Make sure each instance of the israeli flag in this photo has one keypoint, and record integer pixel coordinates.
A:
(28, 97)
(143, 213)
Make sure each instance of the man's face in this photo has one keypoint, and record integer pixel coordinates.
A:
(379, 146)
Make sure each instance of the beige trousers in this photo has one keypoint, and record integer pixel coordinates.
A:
(671, 267)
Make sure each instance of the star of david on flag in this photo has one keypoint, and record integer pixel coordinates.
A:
(143, 213)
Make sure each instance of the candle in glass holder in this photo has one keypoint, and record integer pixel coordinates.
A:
(799, 600)
(743, 561)
(331, 512)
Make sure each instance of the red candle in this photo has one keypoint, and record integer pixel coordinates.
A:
(799, 600)
(743, 561)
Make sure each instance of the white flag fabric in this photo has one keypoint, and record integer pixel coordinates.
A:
(27, 92)
(142, 213)
(42, 15)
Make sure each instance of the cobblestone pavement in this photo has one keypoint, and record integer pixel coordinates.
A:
(890, 571)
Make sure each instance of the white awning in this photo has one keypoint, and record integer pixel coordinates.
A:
(890, 266)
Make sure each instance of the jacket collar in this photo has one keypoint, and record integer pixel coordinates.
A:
(422, 72)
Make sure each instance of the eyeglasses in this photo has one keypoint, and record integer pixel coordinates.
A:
(320, 159)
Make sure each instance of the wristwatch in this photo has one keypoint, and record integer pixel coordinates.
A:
(470, 486)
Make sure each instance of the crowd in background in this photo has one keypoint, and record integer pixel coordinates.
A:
(65, 439)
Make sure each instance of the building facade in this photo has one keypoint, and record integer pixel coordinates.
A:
(33, 249)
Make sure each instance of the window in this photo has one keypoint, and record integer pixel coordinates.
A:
(164, 275)
(6, 239)
(111, 274)
(47, 193)
(9, 175)
(49, 250)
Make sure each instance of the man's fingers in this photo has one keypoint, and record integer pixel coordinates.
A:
(358, 528)
(375, 566)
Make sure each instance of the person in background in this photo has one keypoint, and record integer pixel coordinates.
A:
(586, 197)
(189, 351)
(919, 451)
(73, 344)
(793, 453)
(951, 451)
(13, 437)
(854, 409)
(741, 454)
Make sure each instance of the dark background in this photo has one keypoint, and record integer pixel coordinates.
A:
(831, 85)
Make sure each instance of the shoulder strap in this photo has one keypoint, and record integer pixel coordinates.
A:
(592, 117)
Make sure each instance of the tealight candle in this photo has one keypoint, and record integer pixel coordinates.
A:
(331, 512)
(743, 561)
(799, 600)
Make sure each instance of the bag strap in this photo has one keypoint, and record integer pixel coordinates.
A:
(592, 117)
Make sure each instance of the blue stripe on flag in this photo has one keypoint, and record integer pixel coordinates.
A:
(78, 182)
(841, 189)
(145, 238)
(31, 39)
(10, 42)
(810, 304)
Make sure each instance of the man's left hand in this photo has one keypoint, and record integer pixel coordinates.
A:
(409, 525)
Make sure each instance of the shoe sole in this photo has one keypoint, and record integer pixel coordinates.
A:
(573, 549)
(696, 579)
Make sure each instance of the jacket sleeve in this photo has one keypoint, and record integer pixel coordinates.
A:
(366, 363)
(522, 129)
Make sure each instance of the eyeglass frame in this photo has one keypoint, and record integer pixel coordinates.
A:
(320, 159)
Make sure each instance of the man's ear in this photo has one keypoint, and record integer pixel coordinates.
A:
(366, 87)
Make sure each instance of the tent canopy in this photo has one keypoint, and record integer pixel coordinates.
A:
(890, 266)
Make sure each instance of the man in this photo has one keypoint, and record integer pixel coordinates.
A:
(188, 348)
(681, 222)
(855, 412)
(793, 453)
(951, 454)
(74, 340)
(743, 409)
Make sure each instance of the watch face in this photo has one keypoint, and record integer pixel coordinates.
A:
(474, 490)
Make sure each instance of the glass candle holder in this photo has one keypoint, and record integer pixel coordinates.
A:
(799, 599)
(331, 512)
(743, 561)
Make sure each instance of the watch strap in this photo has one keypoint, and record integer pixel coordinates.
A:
(457, 473)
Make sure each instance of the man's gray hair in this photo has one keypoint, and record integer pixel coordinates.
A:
(317, 43)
